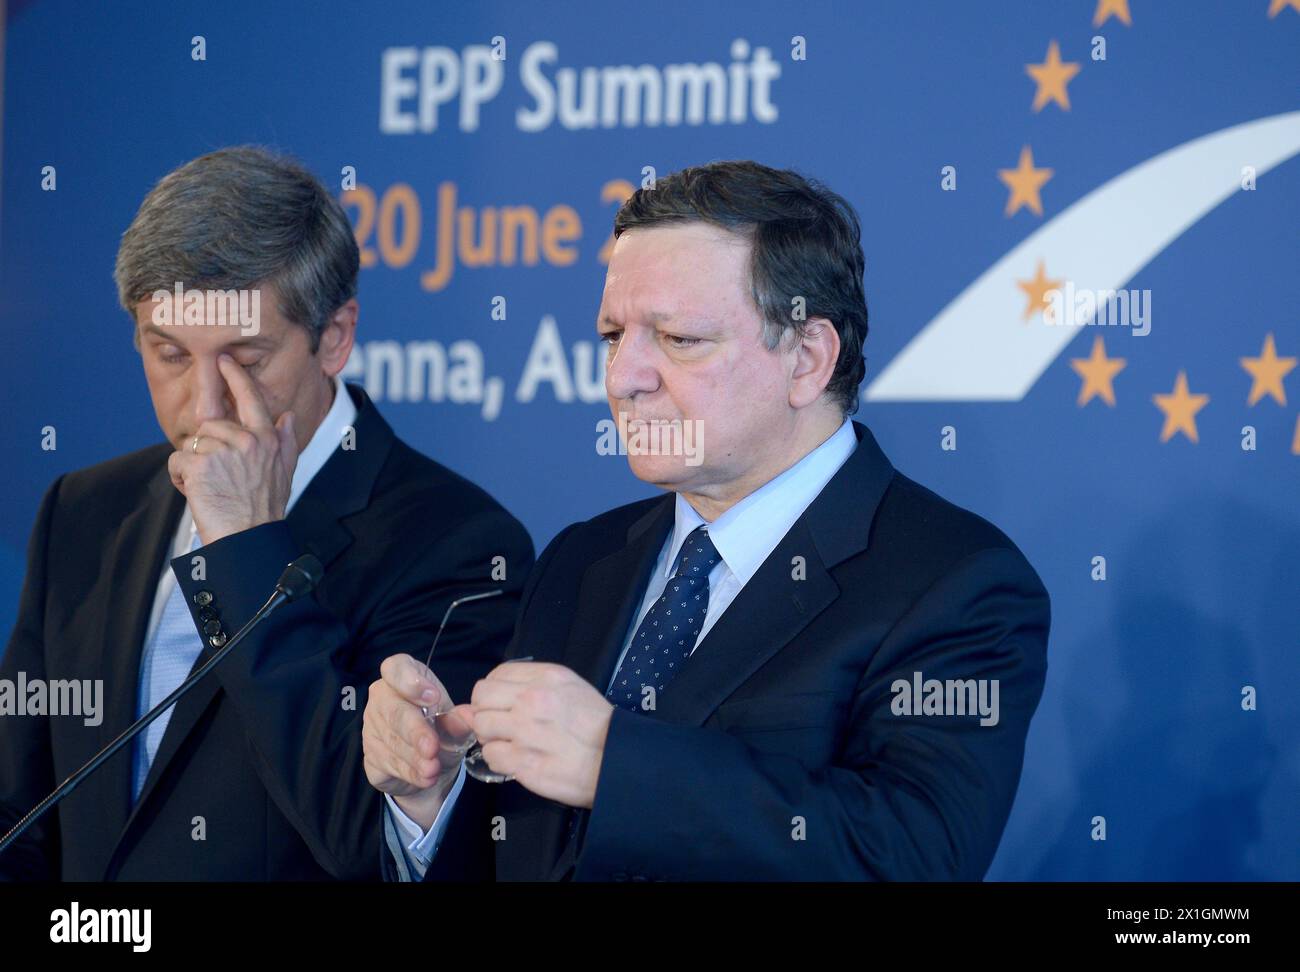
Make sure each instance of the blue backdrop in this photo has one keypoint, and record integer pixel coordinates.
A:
(1172, 173)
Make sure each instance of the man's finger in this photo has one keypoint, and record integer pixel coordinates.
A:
(176, 470)
(490, 724)
(386, 719)
(416, 738)
(488, 694)
(506, 757)
(215, 433)
(394, 765)
(248, 400)
(454, 726)
(411, 680)
(520, 671)
(284, 428)
(389, 750)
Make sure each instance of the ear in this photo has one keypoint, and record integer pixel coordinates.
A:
(816, 354)
(337, 337)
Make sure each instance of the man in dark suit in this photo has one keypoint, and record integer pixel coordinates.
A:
(801, 665)
(143, 566)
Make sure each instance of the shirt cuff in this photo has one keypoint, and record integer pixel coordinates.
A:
(417, 846)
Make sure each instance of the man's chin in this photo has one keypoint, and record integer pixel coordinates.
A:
(666, 472)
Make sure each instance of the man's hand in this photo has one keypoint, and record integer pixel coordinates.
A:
(240, 474)
(402, 754)
(544, 725)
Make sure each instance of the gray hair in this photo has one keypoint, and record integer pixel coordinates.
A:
(239, 218)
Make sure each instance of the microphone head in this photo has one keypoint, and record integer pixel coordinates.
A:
(300, 577)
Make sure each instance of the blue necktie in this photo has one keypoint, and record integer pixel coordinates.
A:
(166, 661)
(669, 630)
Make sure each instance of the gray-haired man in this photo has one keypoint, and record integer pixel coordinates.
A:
(240, 273)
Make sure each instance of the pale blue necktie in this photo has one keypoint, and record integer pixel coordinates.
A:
(165, 663)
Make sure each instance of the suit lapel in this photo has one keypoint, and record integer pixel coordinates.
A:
(143, 544)
(765, 616)
(610, 592)
(342, 487)
(771, 610)
(608, 596)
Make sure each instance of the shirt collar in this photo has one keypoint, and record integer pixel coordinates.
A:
(750, 530)
(329, 434)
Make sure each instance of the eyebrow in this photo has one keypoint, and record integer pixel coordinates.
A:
(253, 342)
(659, 317)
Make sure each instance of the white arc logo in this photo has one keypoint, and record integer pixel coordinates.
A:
(978, 347)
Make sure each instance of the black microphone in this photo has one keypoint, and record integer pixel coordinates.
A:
(299, 579)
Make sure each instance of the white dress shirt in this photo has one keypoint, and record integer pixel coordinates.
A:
(341, 415)
(745, 535)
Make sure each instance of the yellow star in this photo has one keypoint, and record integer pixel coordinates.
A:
(1180, 410)
(1275, 6)
(1295, 443)
(1052, 76)
(1036, 290)
(1024, 181)
(1267, 370)
(1097, 372)
(1117, 7)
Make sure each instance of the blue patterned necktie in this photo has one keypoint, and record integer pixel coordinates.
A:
(669, 630)
(164, 664)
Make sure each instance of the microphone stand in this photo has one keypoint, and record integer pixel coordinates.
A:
(298, 579)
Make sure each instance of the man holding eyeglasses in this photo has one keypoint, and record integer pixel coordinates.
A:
(722, 678)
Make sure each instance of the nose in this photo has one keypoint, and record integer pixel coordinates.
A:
(210, 394)
(631, 369)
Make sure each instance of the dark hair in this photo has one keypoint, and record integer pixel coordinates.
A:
(807, 243)
(238, 218)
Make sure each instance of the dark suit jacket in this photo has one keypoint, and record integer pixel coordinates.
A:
(267, 750)
(780, 725)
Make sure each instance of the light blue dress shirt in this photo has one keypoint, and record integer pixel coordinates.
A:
(745, 535)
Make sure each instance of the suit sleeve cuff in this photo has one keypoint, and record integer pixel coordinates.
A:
(419, 847)
(237, 575)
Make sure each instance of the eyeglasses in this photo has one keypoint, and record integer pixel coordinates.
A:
(453, 735)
